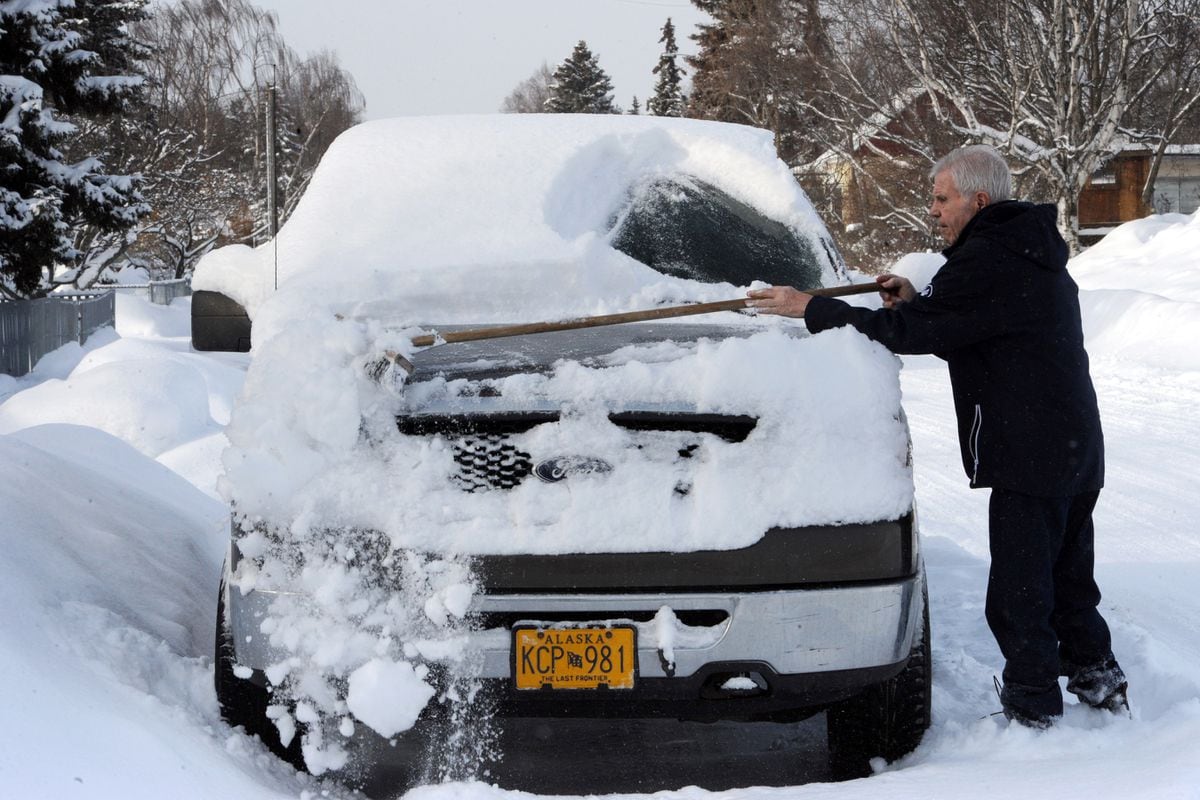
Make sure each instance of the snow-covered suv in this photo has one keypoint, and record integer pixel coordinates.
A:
(704, 520)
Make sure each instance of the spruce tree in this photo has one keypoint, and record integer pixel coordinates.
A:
(580, 86)
(710, 65)
(756, 66)
(636, 108)
(668, 99)
(60, 58)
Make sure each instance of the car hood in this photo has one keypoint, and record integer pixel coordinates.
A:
(490, 359)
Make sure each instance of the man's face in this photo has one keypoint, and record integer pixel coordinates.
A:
(952, 210)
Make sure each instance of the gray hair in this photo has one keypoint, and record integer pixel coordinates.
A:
(976, 168)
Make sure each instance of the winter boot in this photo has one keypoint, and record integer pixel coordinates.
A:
(1100, 685)
(1036, 707)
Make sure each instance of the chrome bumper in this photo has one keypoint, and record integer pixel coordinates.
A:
(795, 631)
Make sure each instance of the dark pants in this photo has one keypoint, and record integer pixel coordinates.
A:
(1042, 597)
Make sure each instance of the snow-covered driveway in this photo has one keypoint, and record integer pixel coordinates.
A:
(1148, 568)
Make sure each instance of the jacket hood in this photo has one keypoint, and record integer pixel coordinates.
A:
(1027, 229)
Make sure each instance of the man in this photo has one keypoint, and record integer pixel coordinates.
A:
(1004, 314)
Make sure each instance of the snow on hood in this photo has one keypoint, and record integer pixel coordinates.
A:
(829, 447)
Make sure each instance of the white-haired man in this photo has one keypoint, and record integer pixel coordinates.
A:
(1004, 314)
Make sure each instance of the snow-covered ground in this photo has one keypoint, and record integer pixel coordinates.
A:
(112, 535)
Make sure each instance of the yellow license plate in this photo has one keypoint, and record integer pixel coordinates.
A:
(574, 658)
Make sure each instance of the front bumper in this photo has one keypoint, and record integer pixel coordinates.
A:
(774, 634)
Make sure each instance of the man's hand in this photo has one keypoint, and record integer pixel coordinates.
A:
(782, 300)
(894, 290)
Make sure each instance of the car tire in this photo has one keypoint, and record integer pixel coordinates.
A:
(243, 702)
(886, 720)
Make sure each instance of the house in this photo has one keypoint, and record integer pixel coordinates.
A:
(874, 192)
(1114, 194)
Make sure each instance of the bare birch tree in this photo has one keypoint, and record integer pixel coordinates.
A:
(531, 94)
(211, 63)
(1050, 82)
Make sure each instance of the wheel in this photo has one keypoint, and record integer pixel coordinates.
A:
(242, 701)
(886, 720)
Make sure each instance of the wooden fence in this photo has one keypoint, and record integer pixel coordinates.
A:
(29, 329)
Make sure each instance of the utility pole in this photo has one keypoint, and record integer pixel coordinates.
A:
(272, 183)
(272, 209)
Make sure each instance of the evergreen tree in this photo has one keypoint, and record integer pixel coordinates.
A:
(636, 108)
(709, 86)
(668, 99)
(757, 66)
(581, 86)
(60, 58)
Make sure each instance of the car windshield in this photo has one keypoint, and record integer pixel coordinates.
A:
(690, 229)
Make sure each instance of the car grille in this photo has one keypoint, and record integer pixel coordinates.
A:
(489, 462)
(487, 459)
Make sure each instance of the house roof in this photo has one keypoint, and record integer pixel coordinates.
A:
(869, 129)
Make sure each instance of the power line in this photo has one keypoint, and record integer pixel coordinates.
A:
(652, 3)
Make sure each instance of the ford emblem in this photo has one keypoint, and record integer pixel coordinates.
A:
(553, 470)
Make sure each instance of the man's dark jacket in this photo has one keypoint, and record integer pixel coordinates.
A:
(1004, 314)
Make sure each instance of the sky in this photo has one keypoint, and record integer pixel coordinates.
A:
(413, 57)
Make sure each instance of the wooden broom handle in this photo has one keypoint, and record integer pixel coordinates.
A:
(502, 331)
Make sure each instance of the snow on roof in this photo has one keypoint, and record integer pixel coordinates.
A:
(507, 214)
(1170, 150)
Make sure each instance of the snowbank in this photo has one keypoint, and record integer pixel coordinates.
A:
(140, 383)
(1140, 292)
(155, 405)
(1155, 255)
(108, 588)
(149, 557)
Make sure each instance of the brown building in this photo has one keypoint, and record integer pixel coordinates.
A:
(1114, 193)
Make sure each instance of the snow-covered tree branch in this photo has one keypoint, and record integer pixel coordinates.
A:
(57, 58)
